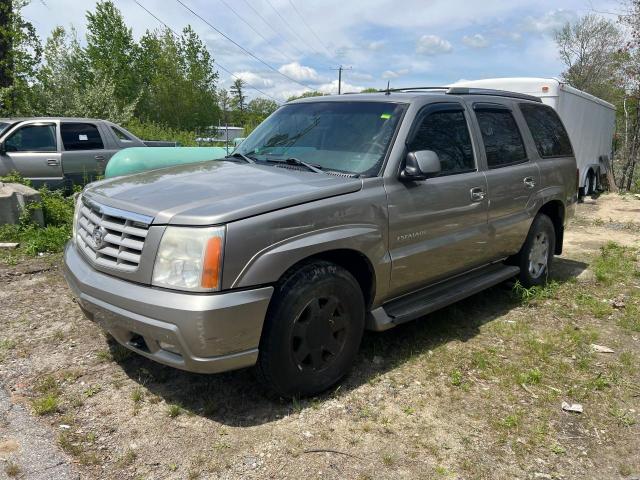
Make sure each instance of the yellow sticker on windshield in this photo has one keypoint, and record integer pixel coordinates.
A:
(386, 116)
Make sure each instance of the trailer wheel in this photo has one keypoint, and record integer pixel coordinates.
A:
(589, 187)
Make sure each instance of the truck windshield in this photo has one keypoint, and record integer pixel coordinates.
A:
(345, 136)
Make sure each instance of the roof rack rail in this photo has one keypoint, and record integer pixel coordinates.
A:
(466, 91)
(490, 91)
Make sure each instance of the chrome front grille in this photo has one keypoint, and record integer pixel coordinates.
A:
(111, 237)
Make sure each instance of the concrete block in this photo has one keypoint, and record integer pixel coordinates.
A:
(14, 197)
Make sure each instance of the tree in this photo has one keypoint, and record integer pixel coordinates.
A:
(20, 52)
(261, 107)
(370, 90)
(308, 94)
(238, 98)
(224, 103)
(590, 48)
(111, 51)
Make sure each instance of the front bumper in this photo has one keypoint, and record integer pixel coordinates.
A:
(204, 333)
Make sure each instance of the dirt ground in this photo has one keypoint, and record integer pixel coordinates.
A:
(473, 391)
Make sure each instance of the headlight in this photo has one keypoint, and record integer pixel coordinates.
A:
(190, 259)
(76, 217)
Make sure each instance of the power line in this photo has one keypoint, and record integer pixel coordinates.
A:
(215, 61)
(257, 32)
(309, 28)
(300, 52)
(291, 28)
(252, 55)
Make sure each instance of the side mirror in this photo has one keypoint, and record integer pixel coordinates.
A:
(420, 165)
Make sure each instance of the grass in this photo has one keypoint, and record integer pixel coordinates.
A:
(57, 211)
(614, 263)
(12, 469)
(45, 405)
(174, 410)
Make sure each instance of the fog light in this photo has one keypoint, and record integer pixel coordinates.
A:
(169, 347)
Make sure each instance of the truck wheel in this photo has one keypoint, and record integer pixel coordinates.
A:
(536, 255)
(312, 331)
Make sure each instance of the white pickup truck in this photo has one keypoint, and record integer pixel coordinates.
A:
(590, 121)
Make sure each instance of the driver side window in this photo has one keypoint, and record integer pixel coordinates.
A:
(446, 133)
(32, 138)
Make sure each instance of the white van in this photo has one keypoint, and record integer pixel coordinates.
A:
(590, 121)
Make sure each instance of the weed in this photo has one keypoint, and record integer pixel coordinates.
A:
(531, 377)
(558, 449)
(45, 405)
(47, 384)
(92, 391)
(511, 421)
(535, 293)
(388, 459)
(631, 318)
(456, 378)
(174, 410)
(137, 395)
(442, 471)
(127, 458)
(120, 353)
(12, 469)
(622, 416)
(409, 410)
(104, 356)
(596, 307)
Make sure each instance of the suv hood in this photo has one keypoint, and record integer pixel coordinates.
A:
(216, 192)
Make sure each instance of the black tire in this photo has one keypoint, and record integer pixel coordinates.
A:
(589, 187)
(542, 233)
(313, 330)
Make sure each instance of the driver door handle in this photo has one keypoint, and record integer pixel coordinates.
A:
(99, 157)
(477, 194)
(53, 162)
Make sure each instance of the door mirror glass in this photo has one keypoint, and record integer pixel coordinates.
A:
(421, 165)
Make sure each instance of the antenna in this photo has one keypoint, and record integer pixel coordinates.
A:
(388, 92)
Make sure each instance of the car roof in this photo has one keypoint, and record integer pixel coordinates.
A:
(64, 119)
(408, 95)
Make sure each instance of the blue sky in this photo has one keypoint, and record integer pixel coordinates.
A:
(406, 42)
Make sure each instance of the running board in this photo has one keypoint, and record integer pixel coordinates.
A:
(433, 298)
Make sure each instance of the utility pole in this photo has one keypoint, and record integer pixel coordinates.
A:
(340, 69)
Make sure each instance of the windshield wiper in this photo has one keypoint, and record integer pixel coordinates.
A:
(242, 156)
(299, 163)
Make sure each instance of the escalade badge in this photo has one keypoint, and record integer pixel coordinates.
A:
(98, 235)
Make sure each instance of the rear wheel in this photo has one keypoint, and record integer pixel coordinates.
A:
(536, 255)
(589, 186)
(312, 331)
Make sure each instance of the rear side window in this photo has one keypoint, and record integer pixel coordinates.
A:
(447, 134)
(123, 137)
(548, 133)
(80, 136)
(502, 140)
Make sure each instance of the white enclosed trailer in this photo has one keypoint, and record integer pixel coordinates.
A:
(589, 121)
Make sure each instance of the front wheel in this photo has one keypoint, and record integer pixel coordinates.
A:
(536, 255)
(312, 331)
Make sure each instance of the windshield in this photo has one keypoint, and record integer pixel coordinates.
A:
(3, 125)
(343, 136)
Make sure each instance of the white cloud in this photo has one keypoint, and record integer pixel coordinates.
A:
(475, 41)
(550, 21)
(254, 79)
(298, 72)
(433, 45)
(387, 74)
(376, 45)
(332, 87)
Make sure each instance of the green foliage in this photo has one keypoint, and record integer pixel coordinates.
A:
(57, 211)
(534, 293)
(46, 404)
(156, 131)
(615, 263)
(305, 95)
